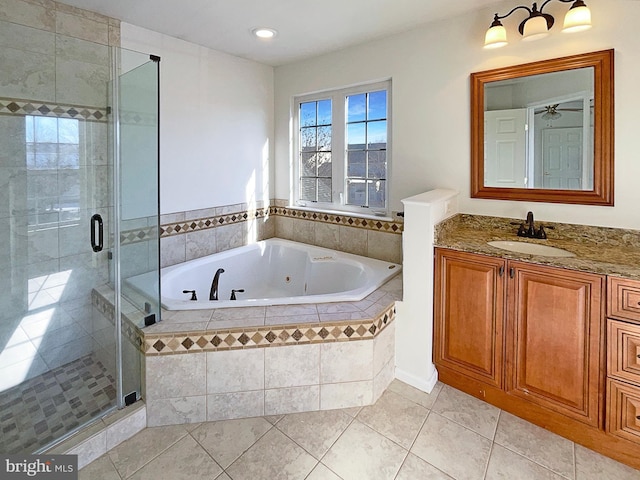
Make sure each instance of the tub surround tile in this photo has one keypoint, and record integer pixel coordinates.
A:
(345, 232)
(292, 319)
(173, 250)
(346, 362)
(175, 376)
(235, 370)
(200, 244)
(292, 367)
(177, 411)
(290, 310)
(383, 379)
(180, 341)
(384, 347)
(281, 401)
(353, 240)
(346, 395)
(227, 406)
(125, 427)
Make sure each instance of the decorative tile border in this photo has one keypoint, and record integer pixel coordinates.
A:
(128, 237)
(266, 336)
(11, 106)
(178, 228)
(130, 331)
(340, 219)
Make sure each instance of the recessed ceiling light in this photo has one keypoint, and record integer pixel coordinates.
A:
(265, 33)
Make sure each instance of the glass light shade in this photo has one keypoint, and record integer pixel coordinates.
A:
(577, 19)
(495, 37)
(551, 115)
(535, 28)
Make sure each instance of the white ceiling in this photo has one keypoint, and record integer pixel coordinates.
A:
(305, 27)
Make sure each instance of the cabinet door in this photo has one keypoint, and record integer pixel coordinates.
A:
(554, 339)
(469, 315)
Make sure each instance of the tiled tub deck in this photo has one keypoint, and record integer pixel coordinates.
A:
(206, 365)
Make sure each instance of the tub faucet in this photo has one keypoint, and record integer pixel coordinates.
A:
(213, 293)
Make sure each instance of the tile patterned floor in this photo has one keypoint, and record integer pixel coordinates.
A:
(406, 435)
(45, 407)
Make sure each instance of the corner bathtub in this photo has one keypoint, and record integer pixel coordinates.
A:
(274, 272)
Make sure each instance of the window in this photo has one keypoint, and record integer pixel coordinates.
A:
(53, 170)
(343, 149)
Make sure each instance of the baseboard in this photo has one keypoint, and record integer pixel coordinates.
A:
(426, 385)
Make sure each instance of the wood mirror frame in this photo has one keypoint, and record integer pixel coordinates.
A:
(602, 193)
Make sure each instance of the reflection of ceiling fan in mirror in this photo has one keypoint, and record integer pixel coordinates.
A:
(552, 112)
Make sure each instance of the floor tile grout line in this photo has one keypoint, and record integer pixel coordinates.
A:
(486, 467)
(207, 451)
(155, 457)
(412, 444)
(271, 426)
(532, 460)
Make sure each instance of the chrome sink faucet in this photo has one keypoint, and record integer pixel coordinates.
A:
(529, 231)
(213, 293)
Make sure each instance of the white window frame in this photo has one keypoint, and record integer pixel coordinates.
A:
(338, 149)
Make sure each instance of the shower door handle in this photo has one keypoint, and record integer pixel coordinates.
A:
(96, 221)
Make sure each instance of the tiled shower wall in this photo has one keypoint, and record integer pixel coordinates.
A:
(197, 233)
(60, 67)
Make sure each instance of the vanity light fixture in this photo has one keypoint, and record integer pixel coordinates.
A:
(264, 33)
(538, 23)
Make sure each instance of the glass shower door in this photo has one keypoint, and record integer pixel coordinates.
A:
(55, 173)
(138, 226)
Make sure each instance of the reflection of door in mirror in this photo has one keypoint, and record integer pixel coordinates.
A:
(538, 131)
(505, 139)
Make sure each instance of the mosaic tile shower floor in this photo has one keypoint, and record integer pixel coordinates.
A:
(406, 435)
(45, 407)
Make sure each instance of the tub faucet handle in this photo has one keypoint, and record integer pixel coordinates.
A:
(233, 293)
(193, 294)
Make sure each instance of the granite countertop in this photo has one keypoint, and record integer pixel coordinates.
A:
(607, 251)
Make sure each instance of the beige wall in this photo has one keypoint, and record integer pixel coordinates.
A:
(430, 68)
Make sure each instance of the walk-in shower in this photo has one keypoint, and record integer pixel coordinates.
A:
(78, 212)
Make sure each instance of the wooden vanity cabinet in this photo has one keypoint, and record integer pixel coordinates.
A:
(623, 359)
(469, 315)
(554, 324)
(532, 332)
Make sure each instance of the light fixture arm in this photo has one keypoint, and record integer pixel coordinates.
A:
(535, 12)
(497, 17)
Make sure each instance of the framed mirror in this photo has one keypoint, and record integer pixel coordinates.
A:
(544, 131)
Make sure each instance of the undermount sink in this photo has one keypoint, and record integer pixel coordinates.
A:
(531, 248)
